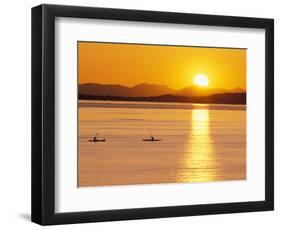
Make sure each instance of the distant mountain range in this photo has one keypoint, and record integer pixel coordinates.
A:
(150, 90)
(161, 93)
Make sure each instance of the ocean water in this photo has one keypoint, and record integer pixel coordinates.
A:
(199, 143)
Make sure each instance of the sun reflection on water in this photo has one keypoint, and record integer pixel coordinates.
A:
(198, 161)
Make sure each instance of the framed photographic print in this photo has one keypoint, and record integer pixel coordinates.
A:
(142, 114)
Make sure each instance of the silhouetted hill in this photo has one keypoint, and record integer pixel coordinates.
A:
(141, 90)
(103, 90)
(224, 98)
(149, 90)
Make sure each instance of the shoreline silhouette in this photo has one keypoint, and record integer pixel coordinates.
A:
(223, 98)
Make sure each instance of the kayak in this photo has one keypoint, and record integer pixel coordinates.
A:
(101, 140)
(151, 140)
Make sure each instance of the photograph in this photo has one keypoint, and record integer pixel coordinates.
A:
(152, 114)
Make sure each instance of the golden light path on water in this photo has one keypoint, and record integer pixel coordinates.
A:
(199, 158)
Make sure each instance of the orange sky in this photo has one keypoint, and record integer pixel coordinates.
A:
(175, 66)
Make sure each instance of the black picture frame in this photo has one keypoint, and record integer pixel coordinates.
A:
(43, 114)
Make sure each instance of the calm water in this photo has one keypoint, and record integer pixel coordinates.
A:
(199, 143)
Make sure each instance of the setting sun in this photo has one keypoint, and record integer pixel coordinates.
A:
(201, 80)
(174, 66)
